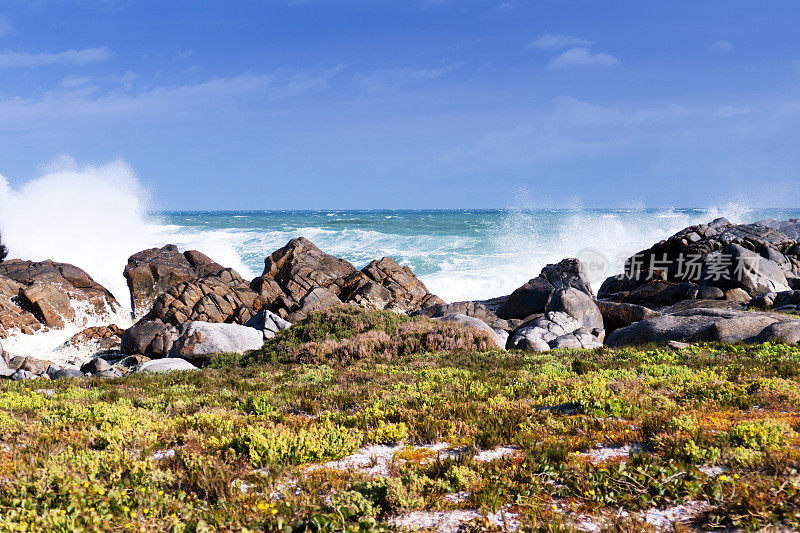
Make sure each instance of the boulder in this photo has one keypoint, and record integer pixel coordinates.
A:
(697, 325)
(754, 273)
(198, 341)
(579, 306)
(618, 315)
(64, 373)
(152, 272)
(473, 309)
(787, 332)
(661, 293)
(757, 258)
(385, 284)
(21, 375)
(102, 338)
(554, 329)
(292, 272)
(221, 297)
(152, 338)
(95, 366)
(164, 365)
(737, 295)
(29, 364)
(49, 292)
(476, 323)
(268, 323)
(532, 297)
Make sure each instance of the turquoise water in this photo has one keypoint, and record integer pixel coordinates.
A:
(459, 254)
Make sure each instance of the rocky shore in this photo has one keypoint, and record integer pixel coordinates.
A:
(711, 282)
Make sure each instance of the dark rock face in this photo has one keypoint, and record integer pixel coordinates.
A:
(532, 297)
(757, 258)
(618, 315)
(152, 272)
(44, 292)
(703, 324)
(3, 250)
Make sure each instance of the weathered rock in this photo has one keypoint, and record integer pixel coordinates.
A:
(385, 284)
(12, 316)
(618, 315)
(222, 297)
(709, 292)
(21, 375)
(165, 365)
(473, 309)
(532, 297)
(477, 324)
(65, 373)
(46, 293)
(754, 257)
(102, 338)
(787, 331)
(554, 329)
(268, 323)
(697, 325)
(579, 306)
(152, 338)
(293, 272)
(199, 341)
(95, 366)
(133, 360)
(737, 295)
(29, 364)
(662, 293)
(152, 272)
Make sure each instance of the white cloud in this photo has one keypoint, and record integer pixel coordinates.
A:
(67, 57)
(5, 26)
(549, 41)
(213, 95)
(381, 80)
(581, 56)
(70, 82)
(721, 46)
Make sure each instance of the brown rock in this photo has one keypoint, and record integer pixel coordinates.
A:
(152, 272)
(385, 284)
(45, 292)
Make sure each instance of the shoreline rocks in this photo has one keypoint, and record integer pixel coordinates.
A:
(46, 294)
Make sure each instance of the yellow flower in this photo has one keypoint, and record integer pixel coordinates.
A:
(723, 478)
(161, 493)
(101, 491)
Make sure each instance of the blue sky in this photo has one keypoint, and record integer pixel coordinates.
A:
(410, 104)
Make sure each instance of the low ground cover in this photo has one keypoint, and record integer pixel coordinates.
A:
(244, 445)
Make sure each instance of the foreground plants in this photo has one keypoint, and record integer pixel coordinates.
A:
(608, 436)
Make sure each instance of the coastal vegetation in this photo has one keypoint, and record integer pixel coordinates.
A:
(512, 439)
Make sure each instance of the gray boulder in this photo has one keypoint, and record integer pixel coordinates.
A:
(21, 375)
(164, 365)
(95, 366)
(754, 273)
(64, 373)
(198, 341)
(533, 297)
(697, 325)
(152, 338)
(473, 322)
(579, 306)
(268, 323)
(554, 329)
(618, 315)
(787, 331)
